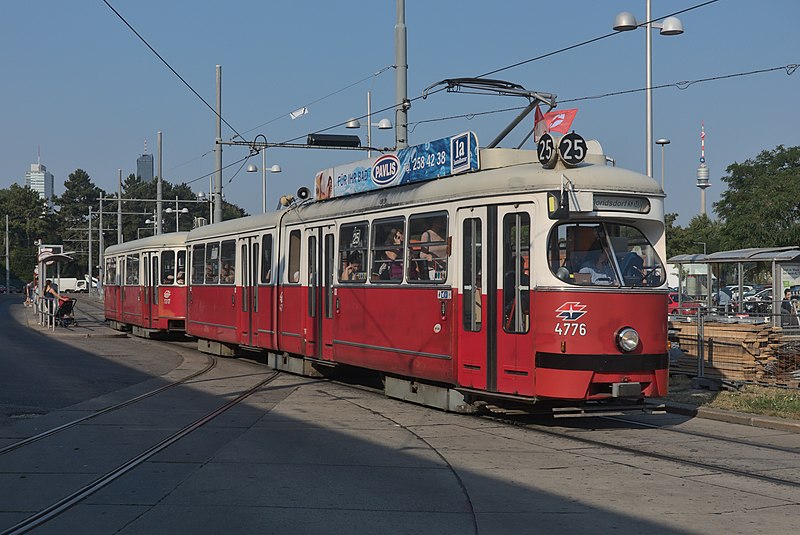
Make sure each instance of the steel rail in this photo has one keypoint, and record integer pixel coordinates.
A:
(47, 514)
(212, 362)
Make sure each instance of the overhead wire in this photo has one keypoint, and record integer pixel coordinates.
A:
(153, 50)
(320, 99)
(685, 85)
(682, 85)
(589, 41)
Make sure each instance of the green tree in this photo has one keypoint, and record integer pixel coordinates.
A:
(760, 208)
(28, 221)
(701, 234)
(80, 194)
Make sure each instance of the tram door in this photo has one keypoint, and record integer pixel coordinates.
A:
(147, 291)
(512, 366)
(495, 340)
(328, 292)
(319, 314)
(249, 255)
(473, 329)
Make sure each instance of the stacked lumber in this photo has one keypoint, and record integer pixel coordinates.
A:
(736, 351)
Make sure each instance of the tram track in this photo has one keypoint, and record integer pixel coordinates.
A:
(524, 421)
(211, 364)
(667, 457)
(48, 513)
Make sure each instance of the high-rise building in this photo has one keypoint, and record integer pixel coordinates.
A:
(144, 166)
(41, 181)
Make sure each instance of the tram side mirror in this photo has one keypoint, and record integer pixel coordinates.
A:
(557, 204)
(303, 193)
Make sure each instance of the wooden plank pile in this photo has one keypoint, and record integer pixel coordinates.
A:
(738, 351)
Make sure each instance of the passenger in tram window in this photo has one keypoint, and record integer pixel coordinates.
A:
(392, 266)
(181, 278)
(435, 254)
(227, 275)
(599, 267)
(352, 269)
(417, 269)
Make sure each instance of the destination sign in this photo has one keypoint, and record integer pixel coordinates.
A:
(435, 159)
(619, 203)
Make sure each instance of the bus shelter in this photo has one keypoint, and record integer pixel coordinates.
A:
(777, 268)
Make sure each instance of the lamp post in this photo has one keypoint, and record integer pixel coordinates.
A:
(178, 213)
(252, 168)
(383, 124)
(624, 22)
(663, 141)
(703, 244)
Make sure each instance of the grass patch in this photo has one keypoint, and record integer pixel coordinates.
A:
(751, 399)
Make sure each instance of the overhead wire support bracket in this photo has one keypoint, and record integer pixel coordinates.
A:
(485, 86)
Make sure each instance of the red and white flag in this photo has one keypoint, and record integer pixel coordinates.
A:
(560, 120)
(539, 125)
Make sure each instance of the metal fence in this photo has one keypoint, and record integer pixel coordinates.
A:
(761, 348)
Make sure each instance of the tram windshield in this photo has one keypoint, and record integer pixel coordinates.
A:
(603, 254)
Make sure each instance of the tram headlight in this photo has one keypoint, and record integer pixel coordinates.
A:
(627, 339)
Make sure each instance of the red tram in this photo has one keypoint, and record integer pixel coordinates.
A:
(517, 280)
(145, 285)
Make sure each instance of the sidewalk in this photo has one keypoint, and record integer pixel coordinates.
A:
(741, 418)
(89, 321)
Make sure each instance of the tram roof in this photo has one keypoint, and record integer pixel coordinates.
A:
(755, 254)
(503, 172)
(169, 239)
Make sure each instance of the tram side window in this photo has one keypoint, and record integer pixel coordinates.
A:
(228, 272)
(167, 275)
(132, 270)
(111, 272)
(198, 264)
(294, 256)
(212, 263)
(471, 274)
(516, 272)
(180, 269)
(428, 248)
(353, 240)
(266, 259)
(388, 244)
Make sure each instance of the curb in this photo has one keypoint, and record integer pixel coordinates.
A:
(741, 418)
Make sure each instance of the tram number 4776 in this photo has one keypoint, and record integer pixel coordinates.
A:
(570, 329)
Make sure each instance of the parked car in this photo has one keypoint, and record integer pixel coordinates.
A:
(759, 303)
(733, 290)
(687, 306)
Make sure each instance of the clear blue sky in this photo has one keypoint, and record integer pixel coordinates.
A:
(80, 85)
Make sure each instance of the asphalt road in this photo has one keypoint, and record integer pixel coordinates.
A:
(42, 373)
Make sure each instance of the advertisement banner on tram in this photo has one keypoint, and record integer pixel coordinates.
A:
(439, 158)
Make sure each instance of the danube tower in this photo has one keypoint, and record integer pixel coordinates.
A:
(702, 171)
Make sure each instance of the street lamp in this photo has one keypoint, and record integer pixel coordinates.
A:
(177, 212)
(663, 141)
(701, 243)
(624, 22)
(252, 168)
(383, 124)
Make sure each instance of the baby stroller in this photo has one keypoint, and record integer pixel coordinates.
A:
(65, 313)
